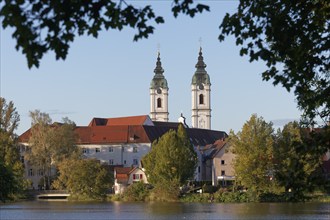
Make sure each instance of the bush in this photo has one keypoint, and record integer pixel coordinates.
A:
(209, 189)
(226, 196)
(136, 192)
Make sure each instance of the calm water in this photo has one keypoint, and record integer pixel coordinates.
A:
(80, 211)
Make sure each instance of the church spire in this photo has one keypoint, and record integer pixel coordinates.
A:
(159, 70)
(158, 80)
(200, 76)
(201, 95)
(200, 66)
(159, 94)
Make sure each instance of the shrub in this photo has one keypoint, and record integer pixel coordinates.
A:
(136, 192)
(225, 196)
(209, 189)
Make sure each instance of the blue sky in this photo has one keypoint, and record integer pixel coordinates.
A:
(110, 76)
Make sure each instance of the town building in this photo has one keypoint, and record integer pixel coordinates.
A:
(123, 141)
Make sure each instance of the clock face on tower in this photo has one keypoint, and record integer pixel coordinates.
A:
(200, 87)
(159, 91)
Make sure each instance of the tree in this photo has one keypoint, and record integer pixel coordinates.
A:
(9, 119)
(50, 143)
(292, 37)
(12, 172)
(42, 26)
(253, 147)
(171, 161)
(298, 160)
(83, 177)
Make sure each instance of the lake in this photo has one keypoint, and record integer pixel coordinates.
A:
(34, 210)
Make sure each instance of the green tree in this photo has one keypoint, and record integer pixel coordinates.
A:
(84, 178)
(171, 161)
(42, 26)
(50, 143)
(253, 147)
(12, 171)
(292, 37)
(298, 161)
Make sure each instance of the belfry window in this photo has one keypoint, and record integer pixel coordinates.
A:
(201, 99)
(159, 103)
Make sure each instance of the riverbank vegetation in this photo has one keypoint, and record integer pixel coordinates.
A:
(12, 182)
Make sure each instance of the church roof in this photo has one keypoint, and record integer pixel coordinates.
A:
(111, 134)
(134, 129)
(159, 80)
(200, 76)
(198, 137)
(130, 120)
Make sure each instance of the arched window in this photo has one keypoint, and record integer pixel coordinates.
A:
(159, 103)
(201, 99)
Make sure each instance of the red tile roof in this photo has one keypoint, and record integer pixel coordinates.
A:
(122, 173)
(134, 129)
(111, 134)
(130, 120)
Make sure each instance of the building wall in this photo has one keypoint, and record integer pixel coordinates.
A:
(117, 154)
(201, 113)
(32, 173)
(137, 172)
(223, 162)
(159, 113)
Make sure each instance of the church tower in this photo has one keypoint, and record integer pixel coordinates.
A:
(159, 94)
(201, 96)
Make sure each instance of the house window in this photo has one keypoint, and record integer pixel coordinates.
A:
(201, 99)
(135, 161)
(222, 162)
(111, 162)
(40, 172)
(30, 173)
(22, 159)
(137, 176)
(223, 173)
(22, 148)
(124, 161)
(85, 150)
(199, 169)
(135, 149)
(159, 103)
(97, 150)
(111, 149)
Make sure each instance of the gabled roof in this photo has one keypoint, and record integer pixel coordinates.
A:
(24, 138)
(122, 173)
(211, 150)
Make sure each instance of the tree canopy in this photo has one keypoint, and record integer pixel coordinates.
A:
(11, 168)
(253, 147)
(292, 37)
(171, 161)
(50, 143)
(298, 160)
(83, 177)
(51, 25)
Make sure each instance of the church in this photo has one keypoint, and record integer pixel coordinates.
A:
(123, 141)
(200, 94)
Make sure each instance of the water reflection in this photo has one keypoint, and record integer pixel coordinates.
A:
(117, 210)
